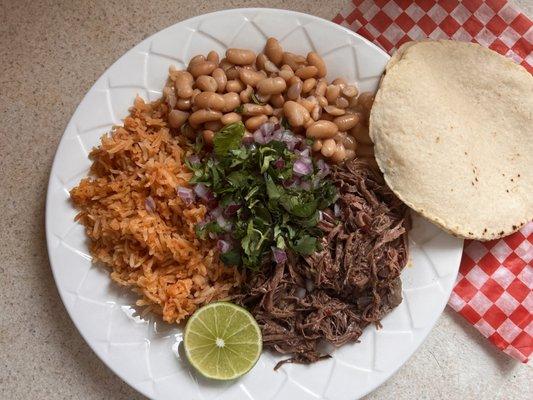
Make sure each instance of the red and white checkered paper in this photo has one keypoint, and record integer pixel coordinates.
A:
(494, 289)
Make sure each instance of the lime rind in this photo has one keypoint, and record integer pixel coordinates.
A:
(241, 343)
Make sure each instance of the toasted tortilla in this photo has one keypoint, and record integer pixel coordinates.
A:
(452, 125)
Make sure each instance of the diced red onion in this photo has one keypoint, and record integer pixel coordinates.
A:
(336, 210)
(248, 138)
(223, 246)
(203, 192)
(279, 256)
(267, 129)
(277, 135)
(288, 183)
(305, 185)
(216, 212)
(323, 168)
(263, 134)
(194, 159)
(186, 195)
(289, 139)
(224, 223)
(258, 137)
(302, 167)
(231, 209)
(303, 153)
(149, 204)
(212, 235)
(202, 223)
(301, 145)
(279, 163)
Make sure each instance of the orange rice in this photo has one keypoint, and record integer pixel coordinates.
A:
(154, 251)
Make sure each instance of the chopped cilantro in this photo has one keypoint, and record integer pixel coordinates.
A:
(272, 212)
(256, 100)
(228, 138)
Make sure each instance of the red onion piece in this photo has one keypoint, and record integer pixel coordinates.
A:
(203, 192)
(223, 246)
(266, 130)
(279, 164)
(248, 138)
(279, 256)
(302, 167)
(323, 168)
(289, 183)
(305, 185)
(277, 135)
(289, 139)
(186, 195)
(258, 137)
(194, 160)
(224, 223)
(301, 145)
(216, 212)
(303, 153)
(231, 209)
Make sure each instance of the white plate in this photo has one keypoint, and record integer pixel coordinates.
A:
(145, 352)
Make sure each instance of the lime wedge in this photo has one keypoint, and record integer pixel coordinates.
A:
(222, 341)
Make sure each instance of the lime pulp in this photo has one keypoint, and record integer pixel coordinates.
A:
(222, 341)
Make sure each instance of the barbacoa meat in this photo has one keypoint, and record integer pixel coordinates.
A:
(332, 295)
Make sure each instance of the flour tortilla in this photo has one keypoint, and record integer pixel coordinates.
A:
(452, 124)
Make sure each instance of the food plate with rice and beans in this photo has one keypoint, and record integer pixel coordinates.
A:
(219, 226)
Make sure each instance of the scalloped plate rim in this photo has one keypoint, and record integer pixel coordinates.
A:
(50, 190)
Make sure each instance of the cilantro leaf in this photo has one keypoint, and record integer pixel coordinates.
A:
(228, 138)
(305, 245)
(285, 123)
(301, 204)
(274, 191)
(202, 231)
(232, 257)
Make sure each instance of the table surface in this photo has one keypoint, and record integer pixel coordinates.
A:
(52, 52)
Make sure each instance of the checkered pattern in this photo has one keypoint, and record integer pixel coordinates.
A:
(494, 290)
(496, 24)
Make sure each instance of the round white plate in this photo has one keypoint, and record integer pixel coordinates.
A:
(144, 352)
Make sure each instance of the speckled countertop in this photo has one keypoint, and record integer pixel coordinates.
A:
(51, 52)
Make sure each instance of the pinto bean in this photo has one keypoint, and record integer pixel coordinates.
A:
(220, 78)
(316, 61)
(240, 56)
(322, 130)
(272, 86)
(202, 68)
(176, 118)
(201, 116)
(296, 114)
(274, 51)
(206, 83)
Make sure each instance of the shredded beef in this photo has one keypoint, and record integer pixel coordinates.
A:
(332, 295)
